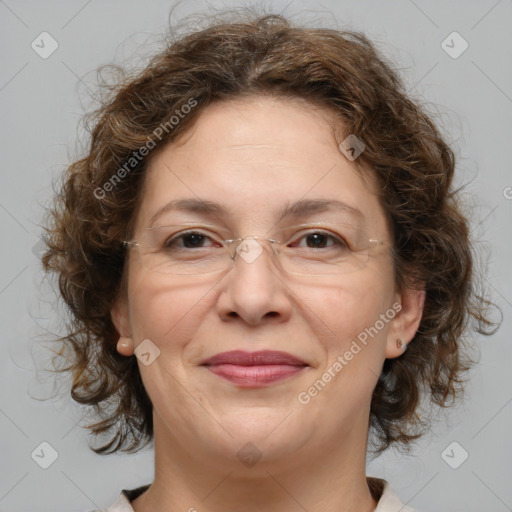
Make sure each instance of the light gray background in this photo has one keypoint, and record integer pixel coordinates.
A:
(41, 103)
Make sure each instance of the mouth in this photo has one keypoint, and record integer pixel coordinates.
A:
(254, 369)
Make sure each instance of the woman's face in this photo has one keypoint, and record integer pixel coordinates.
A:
(253, 158)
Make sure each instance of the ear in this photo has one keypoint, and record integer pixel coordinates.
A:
(121, 320)
(407, 320)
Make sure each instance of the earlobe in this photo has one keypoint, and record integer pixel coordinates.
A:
(125, 346)
(120, 319)
(406, 322)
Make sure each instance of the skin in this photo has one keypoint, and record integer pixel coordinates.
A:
(254, 156)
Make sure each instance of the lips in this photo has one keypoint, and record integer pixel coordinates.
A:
(254, 369)
(263, 357)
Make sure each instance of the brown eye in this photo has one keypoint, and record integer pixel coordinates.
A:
(188, 240)
(321, 240)
(317, 240)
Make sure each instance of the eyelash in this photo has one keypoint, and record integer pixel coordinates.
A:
(183, 235)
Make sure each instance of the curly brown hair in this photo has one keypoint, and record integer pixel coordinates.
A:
(341, 70)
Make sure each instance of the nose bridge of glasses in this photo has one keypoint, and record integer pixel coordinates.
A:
(251, 247)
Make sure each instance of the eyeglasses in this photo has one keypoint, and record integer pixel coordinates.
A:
(305, 249)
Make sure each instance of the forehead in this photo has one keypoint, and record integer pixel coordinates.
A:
(254, 157)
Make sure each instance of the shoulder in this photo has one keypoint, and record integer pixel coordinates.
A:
(388, 501)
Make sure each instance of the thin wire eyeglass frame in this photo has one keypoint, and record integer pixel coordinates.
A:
(275, 244)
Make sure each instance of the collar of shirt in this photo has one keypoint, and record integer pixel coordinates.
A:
(388, 501)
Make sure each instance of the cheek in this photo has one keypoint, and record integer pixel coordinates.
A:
(162, 308)
(352, 304)
(358, 312)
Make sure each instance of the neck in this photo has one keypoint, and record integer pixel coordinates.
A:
(331, 480)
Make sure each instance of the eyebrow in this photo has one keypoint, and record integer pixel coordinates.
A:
(300, 208)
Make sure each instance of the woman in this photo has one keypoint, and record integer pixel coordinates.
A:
(265, 263)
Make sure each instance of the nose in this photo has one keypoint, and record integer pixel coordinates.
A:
(254, 290)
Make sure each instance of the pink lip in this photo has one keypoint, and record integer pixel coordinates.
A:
(254, 369)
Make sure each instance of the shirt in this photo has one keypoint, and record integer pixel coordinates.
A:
(388, 501)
